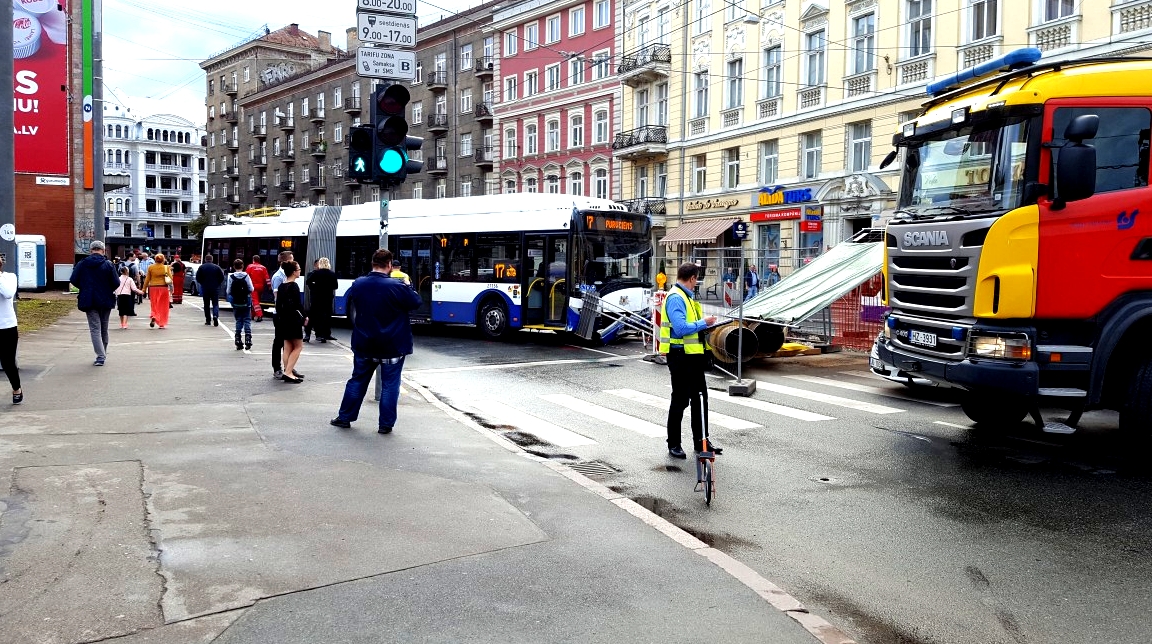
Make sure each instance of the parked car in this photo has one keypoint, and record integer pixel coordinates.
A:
(190, 285)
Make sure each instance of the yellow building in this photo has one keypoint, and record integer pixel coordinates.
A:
(779, 114)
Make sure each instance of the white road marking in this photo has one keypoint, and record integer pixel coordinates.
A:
(611, 416)
(940, 422)
(714, 418)
(868, 389)
(542, 429)
(828, 399)
(773, 408)
(520, 365)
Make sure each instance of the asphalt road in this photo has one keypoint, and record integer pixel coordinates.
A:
(880, 508)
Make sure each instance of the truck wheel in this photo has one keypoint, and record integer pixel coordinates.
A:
(1136, 414)
(985, 409)
(493, 322)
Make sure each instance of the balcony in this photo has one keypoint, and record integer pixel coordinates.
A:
(230, 89)
(287, 187)
(483, 112)
(647, 205)
(767, 108)
(810, 98)
(259, 131)
(316, 115)
(485, 67)
(259, 192)
(286, 123)
(863, 84)
(232, 199)
(318, 149)
(352, 105)
(437, 81)
(287, 156)
(916, 70)
(317, 184)
(230, 171)
(259, 161)
(436, 165)
(732, 117)
(642, 142)
(437, 123)
(234, 144)
(169, 168)
(232, 116)
(164, 192)
(484, 156)
(645, 65)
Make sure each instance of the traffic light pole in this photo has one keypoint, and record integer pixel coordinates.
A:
(386, 197)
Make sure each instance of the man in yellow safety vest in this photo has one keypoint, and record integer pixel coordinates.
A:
(681, 322)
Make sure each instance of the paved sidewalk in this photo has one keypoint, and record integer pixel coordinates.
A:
(180, 495)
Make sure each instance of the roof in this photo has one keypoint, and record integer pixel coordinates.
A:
(698, 232)
(293, 36)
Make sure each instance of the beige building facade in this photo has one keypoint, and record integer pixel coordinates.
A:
(779, 114)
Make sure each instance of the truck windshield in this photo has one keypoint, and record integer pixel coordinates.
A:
(966, 170)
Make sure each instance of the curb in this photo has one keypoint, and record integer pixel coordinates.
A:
(779, 599)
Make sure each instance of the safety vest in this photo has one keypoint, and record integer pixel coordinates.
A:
(693, 344)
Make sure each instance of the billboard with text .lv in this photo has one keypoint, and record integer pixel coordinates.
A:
(39, 88)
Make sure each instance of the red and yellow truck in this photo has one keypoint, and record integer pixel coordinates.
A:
(1019, 264)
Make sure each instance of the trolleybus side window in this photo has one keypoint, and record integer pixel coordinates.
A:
(455, 258)
(498, 258)
(1121, 144)
(354, 256)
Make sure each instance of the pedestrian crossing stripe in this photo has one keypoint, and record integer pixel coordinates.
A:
(773, 408)
(826, 398)
(714, 418)
(620, 419)
(869, 389)
(540, 428)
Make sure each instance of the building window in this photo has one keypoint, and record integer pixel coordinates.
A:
(466, 145)
(641, 107)
(769, 162)
(701, 95)
(466, 100)
(601, 62)
(418, 111)
(810, 162)
(859, 146)
(699, 173)
(575, 72)
(1056, 9)
(734, 84)
(600, 183)
(531, 83)
(510, 40)
(552, 136)
(552, 78)
(576, 21)
(530, 139)
(661, 179)
(440, 62)
(734, 10)
(576, 184)
(920, 27)
(601, 14)
(466, 56)
(576, 131)
(510, 187)
(700, 19)
(531, 36)
(510, 143)
(419, 75)
(530, 184)
(731, 168)
(770, 82)
(599, 127)
(640, 182)
(552, 184)
(552, 29)
(417, 190)
(465, 189)
(863, 43)
(814, 58)
(983, 18)
(662, 104)
(441, 188)
(509, 89)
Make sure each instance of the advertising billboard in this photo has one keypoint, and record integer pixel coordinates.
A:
(39, 85)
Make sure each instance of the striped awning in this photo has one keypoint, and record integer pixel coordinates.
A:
(697, 232)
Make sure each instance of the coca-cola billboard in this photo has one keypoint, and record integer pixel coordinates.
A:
(39, 87)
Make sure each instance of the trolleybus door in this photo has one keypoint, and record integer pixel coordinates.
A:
(415, 255)
(546, 279)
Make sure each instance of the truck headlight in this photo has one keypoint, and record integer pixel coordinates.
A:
(1004, 346)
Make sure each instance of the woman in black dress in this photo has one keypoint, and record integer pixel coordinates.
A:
(290, 320)
(322, 290)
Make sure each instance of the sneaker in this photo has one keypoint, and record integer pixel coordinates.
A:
(207, 323)
(239, 347)
(99, 362)
(18, 398)
(343, 424)
(384, 430)
(215, 321)
(248, 347)
(278, 375)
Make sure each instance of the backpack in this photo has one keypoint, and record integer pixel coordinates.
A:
(238, 292)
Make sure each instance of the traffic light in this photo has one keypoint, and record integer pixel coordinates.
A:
(391, 143)
(360, 153)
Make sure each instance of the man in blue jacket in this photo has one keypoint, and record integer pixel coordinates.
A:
(96, 279)
(381, 337)
(209, 277)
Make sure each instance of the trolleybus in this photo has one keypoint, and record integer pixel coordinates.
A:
(500, 262)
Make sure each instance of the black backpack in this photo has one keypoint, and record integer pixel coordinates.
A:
(239, 291)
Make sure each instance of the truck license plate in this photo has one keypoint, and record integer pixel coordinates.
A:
(922, 338)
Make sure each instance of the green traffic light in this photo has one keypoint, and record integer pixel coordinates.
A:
(391, 161)
(359, 164)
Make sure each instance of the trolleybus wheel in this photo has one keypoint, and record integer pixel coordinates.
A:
(987, 409)
(493, 322)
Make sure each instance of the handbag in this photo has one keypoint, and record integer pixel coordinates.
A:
(167, 277)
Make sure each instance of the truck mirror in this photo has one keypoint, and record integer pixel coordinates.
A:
(1082, 127)
(1075, 173)
(889, 159)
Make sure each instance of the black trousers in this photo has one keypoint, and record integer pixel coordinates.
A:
(687, 384)
(277, 346)
(8, 340)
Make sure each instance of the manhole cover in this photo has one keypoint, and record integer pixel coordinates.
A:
(593, 468)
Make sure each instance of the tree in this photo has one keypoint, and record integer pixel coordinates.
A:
(196, 226)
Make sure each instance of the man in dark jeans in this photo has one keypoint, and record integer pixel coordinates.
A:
(209, 277)
(381, 338)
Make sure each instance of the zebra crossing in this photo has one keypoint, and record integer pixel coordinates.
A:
(545, 412)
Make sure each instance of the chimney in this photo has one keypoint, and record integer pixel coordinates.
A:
(353, 39)
(325, 39)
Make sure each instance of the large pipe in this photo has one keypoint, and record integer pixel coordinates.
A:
(769, 336)
(728, 340)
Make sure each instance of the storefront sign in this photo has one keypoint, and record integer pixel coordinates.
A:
(811, 226)
(739, 230)
(711, 204)
(777, 215)
(778, 196)
(813, 212)
(39, 82)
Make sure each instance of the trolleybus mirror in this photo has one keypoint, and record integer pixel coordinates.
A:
(889, 159)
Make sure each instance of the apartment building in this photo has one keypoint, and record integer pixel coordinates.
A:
(779, 114)
(162, 161)
(453, 107)
(559, 97)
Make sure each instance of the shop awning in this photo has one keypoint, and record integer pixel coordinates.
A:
(697, 232)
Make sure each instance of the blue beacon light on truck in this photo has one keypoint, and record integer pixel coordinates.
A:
(1012, 60)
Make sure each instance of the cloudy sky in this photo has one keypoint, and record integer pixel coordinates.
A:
(152, 49)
